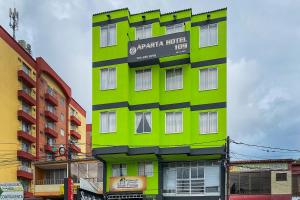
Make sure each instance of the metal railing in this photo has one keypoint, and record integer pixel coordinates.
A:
(61, 181)
(25, 168)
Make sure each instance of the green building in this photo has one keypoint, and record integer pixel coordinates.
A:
(159, 103)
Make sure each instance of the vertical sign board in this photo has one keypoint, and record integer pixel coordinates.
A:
(68, 189)
(10, 191)
(87, 195)
(157, 47)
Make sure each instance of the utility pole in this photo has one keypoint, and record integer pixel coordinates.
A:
(227, 167)
(14, 20)
(68, 182)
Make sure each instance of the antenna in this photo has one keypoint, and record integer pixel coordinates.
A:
(13, 20)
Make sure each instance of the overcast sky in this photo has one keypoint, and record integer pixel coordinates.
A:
(263, 50)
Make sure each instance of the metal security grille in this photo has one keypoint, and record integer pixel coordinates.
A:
(125, 196)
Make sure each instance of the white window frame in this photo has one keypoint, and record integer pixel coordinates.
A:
(181, 122)
(143, 112)
(108, 122)
(106, 45)
(209, 45)
(119, 168)
(180, 88)
(199, 85)
(173, 27)
(147, 174)
(199, 123)
(143, 26)
(116, 75)
(136, 80)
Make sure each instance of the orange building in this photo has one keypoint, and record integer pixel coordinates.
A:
(38, 114)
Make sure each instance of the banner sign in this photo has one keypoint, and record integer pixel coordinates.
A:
(157, 47)
(10, 191)
(258, 167)
(87, 195)
(127, 183)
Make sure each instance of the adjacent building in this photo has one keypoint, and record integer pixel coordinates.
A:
(264, 179)
(38, 117)
(159, 103)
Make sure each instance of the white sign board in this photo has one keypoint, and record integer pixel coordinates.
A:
(10, 191)
(94, 187)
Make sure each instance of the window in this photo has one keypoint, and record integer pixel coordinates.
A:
(25, 184)
(174, 122)
(281, 177)
(143, 122)
(26, 108)
(208, 79)
(208, 122)
(208, 35)
(174, 79)
(26, 69)
(108, 35)
(108, 78)
(143, 32)
(26, 89)
(62, 117)
(119, 170)
(296, 185)
(50, 108)
(51, 91)
(145, 169)
(175, 28)
(62, 101)
(250, 183)
(191, 178)
(62, 132)
(26, 127)
(143, 79)
(108, 122)
(50, 141)
(50, 124)
(25, 146)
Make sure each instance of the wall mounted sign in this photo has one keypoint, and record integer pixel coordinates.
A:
(11, 191)
(157, 47)
(87, 195)
(127, 183)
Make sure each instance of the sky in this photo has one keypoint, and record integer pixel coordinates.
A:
(263, 51)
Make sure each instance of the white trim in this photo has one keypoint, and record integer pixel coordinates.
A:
(116, 38)
(142, 118)
(135, 79)
(181, 79)
(199, 78)
(181, 123)
(209, 45)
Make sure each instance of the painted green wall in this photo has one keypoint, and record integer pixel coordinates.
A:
(125, 91)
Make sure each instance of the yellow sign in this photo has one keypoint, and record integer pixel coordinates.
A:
(127, 183)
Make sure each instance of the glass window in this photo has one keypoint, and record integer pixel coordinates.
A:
(175, 28)
(208, 79)
(281, 176)
(26, 89)
(208, 122)
(62, 101)
(174, 79)
(62, 117)
(108, 35)
(143, 122)
(25, 146)
(26, 127)
(143, 32)
(62, 132)
(174, 122)
(108, 122)
(108, 78)
(50, 108)
(208, 35)
(143, 79)
(50, 124)
(26, 69)
(145, 169)
(119, 170)
(26, 108)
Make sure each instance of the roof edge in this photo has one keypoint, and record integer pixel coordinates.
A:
(78, 107)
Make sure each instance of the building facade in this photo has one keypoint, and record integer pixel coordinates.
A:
(263, 180)
(39, 114)
(159, 103)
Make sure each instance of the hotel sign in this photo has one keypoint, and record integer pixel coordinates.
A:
(157, 47)
(127, 183)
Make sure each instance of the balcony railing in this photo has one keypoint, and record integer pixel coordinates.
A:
(51, 98)
(75, 134)
(25, 78)
(25, 169)
(51, 115)
(51, 132)
(49, 181)
(26, 136)
(28, 98)
(49, 148)
(75, 148)
(25, 154)
(23, 115)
